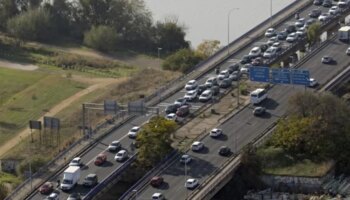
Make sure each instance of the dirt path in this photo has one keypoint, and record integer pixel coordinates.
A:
(27, 67)
(97, 84)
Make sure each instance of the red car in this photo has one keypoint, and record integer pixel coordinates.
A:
(46, 188)
(156, 181)
(100, 159)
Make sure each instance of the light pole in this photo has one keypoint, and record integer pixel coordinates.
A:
(271, 13)
(228, 29)
(159, 49)
(186, 178)
(135, 191)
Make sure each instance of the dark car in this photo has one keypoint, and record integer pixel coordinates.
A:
(327, 3)
(290, 29)
(90, 180)
(215, 89)
(264, 47)
(74, 196)
(258, 111)
(226, 83)
(157, 181)
(327, 60)
(171, 108)
(201, 89)
(46, 188)
(282, 35)
(232, 68)
(183, 111)
(100, 159)
(224, 151)
(245, 59)
(258, 61)
(234, 76)
(318, 2)
(315, 13)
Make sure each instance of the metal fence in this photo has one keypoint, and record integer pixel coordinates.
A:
(105, 182)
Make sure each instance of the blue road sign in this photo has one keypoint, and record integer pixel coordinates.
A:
(280, 76)
(300, 77)
(259, 74)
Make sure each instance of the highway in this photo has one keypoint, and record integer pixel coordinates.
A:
(241, 124)
(242, 128)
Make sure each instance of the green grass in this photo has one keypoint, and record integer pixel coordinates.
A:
(14, 81)
(9, 178)
(28, 95)
(276, 162)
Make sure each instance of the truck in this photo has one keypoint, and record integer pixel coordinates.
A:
(71, 177)
(344, 33)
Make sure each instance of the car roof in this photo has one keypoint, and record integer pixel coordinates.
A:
(192, 81)
(91, 175)
(185, 156)
(157, 194)
(197, 142)
(191, 180)
(115, 141)
(121, 151)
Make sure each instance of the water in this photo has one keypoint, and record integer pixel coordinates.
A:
(208, 19)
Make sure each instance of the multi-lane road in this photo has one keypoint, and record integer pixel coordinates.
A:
(244, 127)
(120, 134)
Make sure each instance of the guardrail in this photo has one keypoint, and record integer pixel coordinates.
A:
(157, 93)
(145, 179)
(108, 179)
(256, 141)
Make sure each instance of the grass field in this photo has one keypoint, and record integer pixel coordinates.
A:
(28, 95)
(275, 161)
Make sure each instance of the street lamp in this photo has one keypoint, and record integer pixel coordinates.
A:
(228, 29)
(186, 178)
(159, 52)
(271, 13)
(135, 191)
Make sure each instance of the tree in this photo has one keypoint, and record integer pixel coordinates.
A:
(31, 25)
(170, 37)
(8, 9)
(207, 48)
(154, 141)
(3, 191)
(313, 33)
(102, 38)
(181, 60)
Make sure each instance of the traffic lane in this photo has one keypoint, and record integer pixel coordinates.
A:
(317, 68)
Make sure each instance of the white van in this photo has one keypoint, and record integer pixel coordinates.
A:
(258, 96)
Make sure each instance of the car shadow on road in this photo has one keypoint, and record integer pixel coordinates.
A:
(270, 104)
(266, 115)
(222, 137)
(205, 150)
(197, 168)
(107, 164)
(164, 186)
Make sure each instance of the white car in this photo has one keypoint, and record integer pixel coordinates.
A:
(206, 96)
(133, 132)
(121, 155)
(185, 159)
(191, 183)
(157, 196)
(255, 52)
(211, 81)
(191, 95)
(197, 146)
(191, 85)
(215, 132)
(75, 162)
(270, 53)
(313, 82)
(52, 196)
(180, 102)
(272, 40)
(245, 69)
(115, 145)
(301, 33)
(348, 51)
(334, 10)
(292, 37)
(270, 32)
(300, 22)
(324, 17)
(171, 116)
(223, 74)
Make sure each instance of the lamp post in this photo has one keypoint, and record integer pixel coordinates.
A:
(135, 191)
(228, 29)
(271, 13)
(186, 178)
(159, 49)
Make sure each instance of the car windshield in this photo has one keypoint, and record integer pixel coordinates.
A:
(66, 181)
(190, 92)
